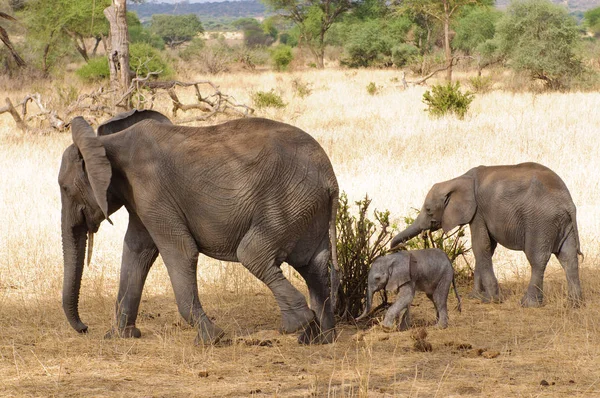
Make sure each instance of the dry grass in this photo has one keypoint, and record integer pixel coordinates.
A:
(383, 145)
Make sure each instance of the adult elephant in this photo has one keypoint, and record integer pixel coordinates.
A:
(251, 190)
(524, 207)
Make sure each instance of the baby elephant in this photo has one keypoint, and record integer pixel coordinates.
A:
(428, 270)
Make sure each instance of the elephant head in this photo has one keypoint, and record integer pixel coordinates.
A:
(389, 273)
(447, 205)
(84, 178)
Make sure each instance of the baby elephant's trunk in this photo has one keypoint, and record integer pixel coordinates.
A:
(367, 305)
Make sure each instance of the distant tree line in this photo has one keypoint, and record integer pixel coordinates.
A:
(536, 37)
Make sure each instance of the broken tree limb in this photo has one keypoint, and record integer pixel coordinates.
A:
(217, 102)
(453, 62)
(15, 115)
(52, 117)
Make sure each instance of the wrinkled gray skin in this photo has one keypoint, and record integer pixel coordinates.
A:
(524, 207)
(251, 190)
(128, 119)
(406, 272)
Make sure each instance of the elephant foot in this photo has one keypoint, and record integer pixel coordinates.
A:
(313, 334)
(292, 321)
(127, 332)
(575, 300)
(442, 324)
(208, 334)
(532, 301)
(484, 296)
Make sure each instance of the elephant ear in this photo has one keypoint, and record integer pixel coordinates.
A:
(97, 165)
(459, 198)
(399, 271)
(128, 119)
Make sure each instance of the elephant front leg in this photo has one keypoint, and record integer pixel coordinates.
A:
(404, 298)
(485, 282)
(182, 266)
(139, 253)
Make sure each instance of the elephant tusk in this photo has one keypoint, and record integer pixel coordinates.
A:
(90, 248)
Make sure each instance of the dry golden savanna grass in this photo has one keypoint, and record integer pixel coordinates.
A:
(385, 146)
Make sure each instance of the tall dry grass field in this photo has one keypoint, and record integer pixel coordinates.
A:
(385, 146)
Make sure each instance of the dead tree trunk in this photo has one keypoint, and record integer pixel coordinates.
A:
(447, 49)
(118, 54)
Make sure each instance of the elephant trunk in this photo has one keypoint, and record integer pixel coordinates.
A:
(74, 240)
(410, 232)
(368, 305)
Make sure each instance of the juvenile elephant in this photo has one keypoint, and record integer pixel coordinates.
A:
(523, 207)
(251, 190)
(405, 272)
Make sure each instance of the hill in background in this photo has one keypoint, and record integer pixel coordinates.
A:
(209, 11)
(224, 11)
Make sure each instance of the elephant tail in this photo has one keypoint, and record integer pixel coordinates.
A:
(459, 305)
(573, 215)
(334, 271)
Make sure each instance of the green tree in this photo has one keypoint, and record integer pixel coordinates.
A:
(176, 29)
(52, 23)
(314, 18)
(591, 20)
(475, 31)
(282, 56)
(475, 28)
(372, 42)
(255, 34)
(540, 38)
(445, 12)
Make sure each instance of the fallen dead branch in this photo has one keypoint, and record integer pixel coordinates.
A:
(101, 103)
(216, 102)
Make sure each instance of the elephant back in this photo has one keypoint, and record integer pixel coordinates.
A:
(128, 119)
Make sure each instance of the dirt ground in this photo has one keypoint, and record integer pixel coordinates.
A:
(487, 350)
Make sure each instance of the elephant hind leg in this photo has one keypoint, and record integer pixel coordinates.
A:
(567, 256)
(262, 257)
(538, 259)
(316, 276)
(440, 300)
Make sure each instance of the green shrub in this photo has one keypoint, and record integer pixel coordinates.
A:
(373, 88)
(453, 244)
(96, 69)
(143, 58)
(302, 89)
(359, 242)
(267, 99)
(282, 56)
(193, 50)
(443, 99)
(481, 84)
(404, 54)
